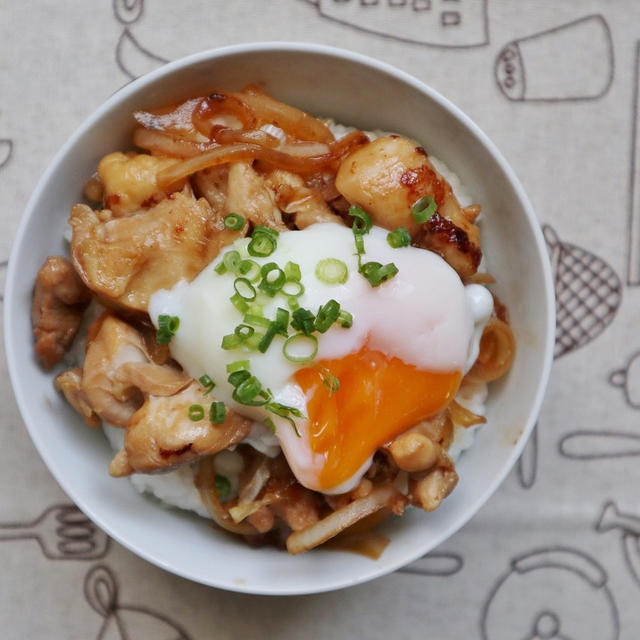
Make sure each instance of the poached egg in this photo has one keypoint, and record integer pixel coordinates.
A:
(412, 339)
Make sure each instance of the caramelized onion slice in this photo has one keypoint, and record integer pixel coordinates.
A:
(333, 524)
(497, 351)
(221, 104)
(463, 417)
(169, 145)
(291, 120)
(173, 119)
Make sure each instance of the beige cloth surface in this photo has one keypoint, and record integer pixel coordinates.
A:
(555, 553)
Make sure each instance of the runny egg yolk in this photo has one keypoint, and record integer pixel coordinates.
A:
(378, 398)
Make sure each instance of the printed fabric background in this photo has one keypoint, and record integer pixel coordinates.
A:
(556, 552)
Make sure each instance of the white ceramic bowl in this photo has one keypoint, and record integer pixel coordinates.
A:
(354, 90)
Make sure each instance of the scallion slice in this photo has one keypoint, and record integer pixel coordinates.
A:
(256, 320)
(196, 412)
(231, 261)
(263, 242)
(303, 320)
(239, 303)
(238, 365)
(249, 269)
(244, 331)
(292, 271)
(270, 425)
(327, 314)
(332, 271)
(399, 238)
(207, 383)
(282, 320)
(217, 412)
(300, 348)
(233, 221)
(238, 377)
(247, 392)
(167, 327)
(268, 337)
(223, 487)
(361, 220)
(273, 279)
(345, 319)
(292, 288)
(330, 381)
(244, 289)
(424, 209)
(376, 273)
(230, 341)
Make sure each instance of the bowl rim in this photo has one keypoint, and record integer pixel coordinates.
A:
(13, 353)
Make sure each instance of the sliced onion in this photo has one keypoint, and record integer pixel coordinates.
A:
(463, 417)
(219, 104)
(250, 491)
(224, 135)
(291, 120)
(205, 483)
(333, 524)
(169, 145)
(174, 119)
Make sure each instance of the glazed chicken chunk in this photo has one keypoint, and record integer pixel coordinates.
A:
(59, 300)
(125, 260)
(388, 176)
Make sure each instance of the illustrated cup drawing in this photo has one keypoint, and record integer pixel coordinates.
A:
(573, 61)
(438, 23)
(628, 379)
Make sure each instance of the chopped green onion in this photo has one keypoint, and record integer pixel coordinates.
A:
(376, 273)
(207, 383)
(303, 320)
(231, 341)
(268, 337)
(258, 321)
(282, 320)
(292, 271)
(332, 271)
(283, 411)
(233, 221)
(244, 331)
(167, 327)
(247, 391)
(221, 268)
(250, 269)
(330, 381)
(236, 378)
(223, 487)
(270, 425)
(217, 412)
(359, 240)
(424, 209)
(196, 412)
(231, 261)
(327, 315)
(244, 289)
(263, 242)
(361, 220)
(293, 303)
(273, 278)
(292, 288)
(399, 238)
(345, 319)
(251, 343)
(238, 365)
(239, 303)
(293, 344)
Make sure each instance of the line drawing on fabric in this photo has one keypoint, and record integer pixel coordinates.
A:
(6, 151)
(124, 621)
(128, 11)
(628, 379)
(527, 465)
(588, 293)
(611, 518)
(448, 24)
(544, 594)
(134, 59)
(633, 250)
(571, 62)
(63, 533)
(439, 563)
(599, 445)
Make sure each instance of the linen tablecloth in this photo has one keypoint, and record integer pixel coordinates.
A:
(555, 553)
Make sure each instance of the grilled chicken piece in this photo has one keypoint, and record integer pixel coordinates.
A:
(70, 384)
(161, 435)
(129, 181)
(388, 176)
(292, 195)
(59, 300)
(125, 260)
(118, 370)
(247, 195)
